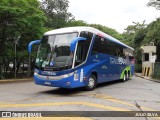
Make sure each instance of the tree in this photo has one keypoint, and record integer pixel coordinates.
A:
(21, 21)
(153, 32)
(72, 23)
(107, 30)
(154, 28)
(154, 3)
(133, 33)
(134, 36)
(56, 12)
(154, 36)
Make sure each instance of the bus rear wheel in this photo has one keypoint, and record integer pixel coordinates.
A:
(128, 75)
(124, 77)
(91, 83)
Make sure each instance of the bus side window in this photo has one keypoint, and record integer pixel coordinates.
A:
(102, 45)
(106, 46)
(97, 45)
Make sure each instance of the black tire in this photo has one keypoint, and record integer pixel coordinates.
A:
(128, 75)
(124, 77)
(91, 84)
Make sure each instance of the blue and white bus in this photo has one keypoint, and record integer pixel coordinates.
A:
(81, 57)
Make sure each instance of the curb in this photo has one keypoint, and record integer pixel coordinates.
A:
(16, 80)
(154, 80)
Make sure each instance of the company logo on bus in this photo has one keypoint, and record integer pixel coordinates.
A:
(48, 73)
(119, 60)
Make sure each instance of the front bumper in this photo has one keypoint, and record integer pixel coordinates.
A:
(57, 81)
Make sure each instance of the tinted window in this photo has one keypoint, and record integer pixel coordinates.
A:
(105, 46)
(87, 42)
(97, 45)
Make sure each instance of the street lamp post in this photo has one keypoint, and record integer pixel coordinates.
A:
(15, 55)
(15, 64)
(29, 65)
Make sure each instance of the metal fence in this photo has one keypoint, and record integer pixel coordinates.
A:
(8, 70)
(157, 69)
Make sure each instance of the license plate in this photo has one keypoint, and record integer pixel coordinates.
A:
(47, 83)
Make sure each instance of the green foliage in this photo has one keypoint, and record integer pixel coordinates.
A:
(154, 3)
(139, 37)
(156, 77)
(134, 36)
(105, 29)
(153, 29)
(153, 32)
(156, 74)
(21, 21)
(141, 34)
(154, 36)
(108, 30)
(138, 68)
(72, 23)
(56, 12)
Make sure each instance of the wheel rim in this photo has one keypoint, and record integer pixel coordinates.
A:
(127, 76)
(91, 82)
(124, 77)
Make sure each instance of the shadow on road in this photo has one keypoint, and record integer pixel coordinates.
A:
(105, 84)
(70, 92)
(64, 92)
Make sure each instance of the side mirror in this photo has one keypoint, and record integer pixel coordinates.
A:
(74, 42)
(32, 43)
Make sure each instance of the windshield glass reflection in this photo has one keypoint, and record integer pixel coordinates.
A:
(54, 51)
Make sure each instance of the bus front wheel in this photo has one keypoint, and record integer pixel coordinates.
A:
(91, 83)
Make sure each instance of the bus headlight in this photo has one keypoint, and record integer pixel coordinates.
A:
(67, 75)
(75, 76)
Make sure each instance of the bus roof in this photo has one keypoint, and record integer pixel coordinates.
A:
(89, 29)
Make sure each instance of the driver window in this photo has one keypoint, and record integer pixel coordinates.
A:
(83, 47)
(98, 42)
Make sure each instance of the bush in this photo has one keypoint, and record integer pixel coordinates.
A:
(156, 76)
(138, 68)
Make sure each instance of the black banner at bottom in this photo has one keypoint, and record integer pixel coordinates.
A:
(8, 114)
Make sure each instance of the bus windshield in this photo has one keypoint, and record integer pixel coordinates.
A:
(54, 51)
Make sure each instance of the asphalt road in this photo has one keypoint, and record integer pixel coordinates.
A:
(136, 94)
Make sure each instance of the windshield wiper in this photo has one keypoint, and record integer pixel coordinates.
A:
(48, 68)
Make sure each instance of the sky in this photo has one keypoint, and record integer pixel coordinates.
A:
(116, 14)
